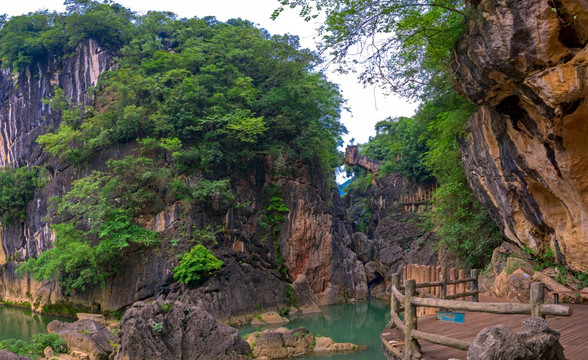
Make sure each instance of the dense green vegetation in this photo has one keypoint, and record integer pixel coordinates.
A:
(406, 48)
(34, 349)
(195, 264)
(195, 101)
(100, 211)
(26, 39)
(17, 187)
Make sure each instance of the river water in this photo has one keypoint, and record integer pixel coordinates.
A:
(360, 323)
(22, 324)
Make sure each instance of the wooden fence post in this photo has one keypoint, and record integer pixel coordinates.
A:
(427, 278)
(452, 288)
(462, 287)
(474, 275)
(394, 304)
(411, 345)
(537, 294)
(443, 279)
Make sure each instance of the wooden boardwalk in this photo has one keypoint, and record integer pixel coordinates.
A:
(573, 331)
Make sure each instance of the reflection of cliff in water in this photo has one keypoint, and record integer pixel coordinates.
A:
(22, 323)
(360, 323)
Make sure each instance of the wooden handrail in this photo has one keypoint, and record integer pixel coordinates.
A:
(398, 294)
(492, 308)
(411, 301)
(442, 340)
(440, 283)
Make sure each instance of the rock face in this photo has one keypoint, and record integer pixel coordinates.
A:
(316, 240)
(536, 341)
(526, 157)
(387, 237)
(85, 336)
(175, 331)
(306, 300)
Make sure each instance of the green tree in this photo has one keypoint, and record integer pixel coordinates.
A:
(405, 45)
(195, 264)
(17, 188)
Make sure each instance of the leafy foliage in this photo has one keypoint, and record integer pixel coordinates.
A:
(274, 216)
(195, 264)
(17, 187)
(177, 80)
(28, 38)
(101, 209)
(404, 45)
(34, 349)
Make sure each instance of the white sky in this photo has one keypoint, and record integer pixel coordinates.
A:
(367, 105)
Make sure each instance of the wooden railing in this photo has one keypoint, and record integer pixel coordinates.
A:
(409, 301)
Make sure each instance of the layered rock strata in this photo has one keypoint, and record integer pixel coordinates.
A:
(526, 156)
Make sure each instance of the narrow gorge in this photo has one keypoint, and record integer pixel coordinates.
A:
(173, 178)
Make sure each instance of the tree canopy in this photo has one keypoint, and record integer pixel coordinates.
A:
(402, 45)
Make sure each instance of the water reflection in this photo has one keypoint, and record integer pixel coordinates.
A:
(359, 323)
(22, 323)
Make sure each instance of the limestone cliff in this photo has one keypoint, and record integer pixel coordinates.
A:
(314, 239)
(526, 157)
(390, 230)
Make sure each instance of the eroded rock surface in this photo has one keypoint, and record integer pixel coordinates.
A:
(306, 300)
(174, 331)
(7, 355)
(526, 157)
(536, 341)
(85, 336)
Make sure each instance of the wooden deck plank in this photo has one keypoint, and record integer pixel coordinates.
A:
(573, 331)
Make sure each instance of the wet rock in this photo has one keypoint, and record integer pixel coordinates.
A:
(306, 300)
(281, 343)
(326, 344)
(536, 341)
(269, 318)
(173, 331)
(85, 336)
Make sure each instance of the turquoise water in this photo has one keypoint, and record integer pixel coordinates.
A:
(360, 323)
(22, 323)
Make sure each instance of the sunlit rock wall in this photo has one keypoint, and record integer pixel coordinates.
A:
(526, 157)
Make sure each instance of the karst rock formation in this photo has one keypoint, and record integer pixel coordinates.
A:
(526, 156)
